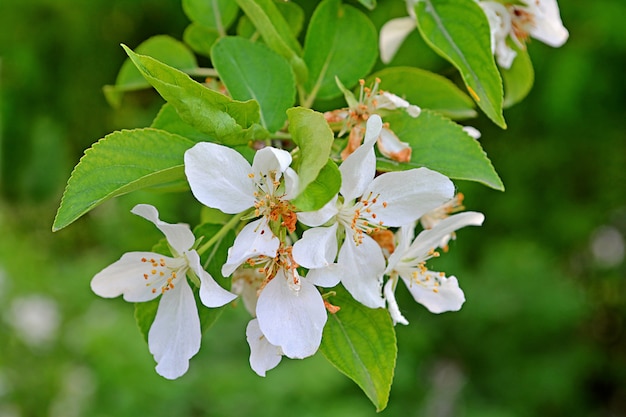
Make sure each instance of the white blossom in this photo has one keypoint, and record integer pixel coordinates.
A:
(372, 101)
(539, 19)
(289, 308)
(433, 290)
(174, 336)
(221, 178)
(367, 204)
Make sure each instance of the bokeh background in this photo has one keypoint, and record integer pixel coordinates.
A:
(541, 334)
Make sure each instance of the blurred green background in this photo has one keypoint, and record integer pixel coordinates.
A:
(541, 334)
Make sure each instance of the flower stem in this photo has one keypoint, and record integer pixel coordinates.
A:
(219, 235)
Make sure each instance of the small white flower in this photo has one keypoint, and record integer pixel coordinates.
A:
(431, 289)
(290, 310)
(221, 178)
(174, 336)
(366, 205)
(372, 101)
(539, 19)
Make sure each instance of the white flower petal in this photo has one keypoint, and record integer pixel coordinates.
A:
(500, 26)
(263, 355)
(255, 239)
(359, 168)
(328, 276)
(392, 35)
(499, 21)
(445, 296)
(372, 129)
(175, 333)
(365, 264)
(211, 293)
(270, 159)
(391, 101)
(126, 276)
(413, 110)
(472, 131)
(321, 216)
(548, 27)
(392, 304)
(404, 236)
(179, 236)
(394, 149)
(317, 248)
(404, 196)
(430, 239)
(219, 177)
(504, 54)
(357, 171)
(292, 184)
(246, 283)
(292, 319)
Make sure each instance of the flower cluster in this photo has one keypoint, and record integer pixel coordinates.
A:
(281, 257)
(313, 206)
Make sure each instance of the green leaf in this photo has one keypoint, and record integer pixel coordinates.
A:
(458, 30)
(519, 79)
(427, 90)
(293, 14)
(276, 33)
(320, 191)
(443, 146)
(253, 71)
(329, 48)
(200, 38)
(310, 131)
(361, 343)
(164, 48)
(213, 215)
(119, 163)
(231, 122)
(168, 119)
(212, 14)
